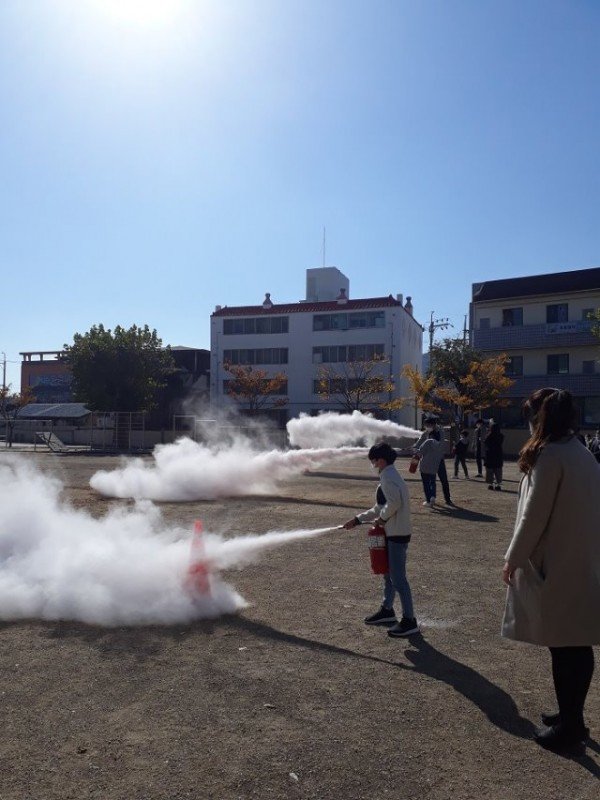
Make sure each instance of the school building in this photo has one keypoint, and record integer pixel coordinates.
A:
(328, 329)
(542, 324)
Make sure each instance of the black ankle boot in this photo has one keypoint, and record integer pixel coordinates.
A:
(562, 740)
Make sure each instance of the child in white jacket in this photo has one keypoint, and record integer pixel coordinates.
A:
(391, 510)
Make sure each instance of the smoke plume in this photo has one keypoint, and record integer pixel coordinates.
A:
(127, 568)
(330, 429)
(189, 471)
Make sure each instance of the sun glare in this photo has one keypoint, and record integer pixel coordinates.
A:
(142, 13)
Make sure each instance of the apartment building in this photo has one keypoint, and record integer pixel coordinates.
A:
(542, 324)
(327, 329)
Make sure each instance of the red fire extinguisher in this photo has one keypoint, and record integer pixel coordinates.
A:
(378, 550)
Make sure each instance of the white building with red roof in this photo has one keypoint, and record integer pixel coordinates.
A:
(327, 330)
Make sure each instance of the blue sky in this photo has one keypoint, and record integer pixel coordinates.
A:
(155, 164)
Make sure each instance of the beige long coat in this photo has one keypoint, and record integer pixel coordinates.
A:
(555, 596)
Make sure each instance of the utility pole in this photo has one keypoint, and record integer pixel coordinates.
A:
(3, 371)
(434, 324)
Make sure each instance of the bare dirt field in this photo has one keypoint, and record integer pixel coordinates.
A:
(295, 697)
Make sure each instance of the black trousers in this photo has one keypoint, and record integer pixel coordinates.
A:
(462, 461)
(479, 459)
(443, 476)
(572, 670)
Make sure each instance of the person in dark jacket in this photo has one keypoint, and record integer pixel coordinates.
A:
(594, 446)
(493, 457)
(460, 453)
(479, 436)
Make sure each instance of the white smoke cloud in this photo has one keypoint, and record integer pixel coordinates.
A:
(128, 568)
(330, 429)
(188, 471)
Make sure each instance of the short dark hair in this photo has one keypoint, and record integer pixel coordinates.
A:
(383, 450)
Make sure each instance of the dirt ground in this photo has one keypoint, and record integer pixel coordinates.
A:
(295, 697)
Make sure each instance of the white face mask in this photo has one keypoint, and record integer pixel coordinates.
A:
(428, 427)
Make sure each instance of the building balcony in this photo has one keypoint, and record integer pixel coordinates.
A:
(578, 384)
(556, 335)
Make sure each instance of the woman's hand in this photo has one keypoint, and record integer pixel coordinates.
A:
(507, 573)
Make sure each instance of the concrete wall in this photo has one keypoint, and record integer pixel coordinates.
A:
(401, 337)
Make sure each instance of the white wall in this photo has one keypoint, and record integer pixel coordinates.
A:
(401, 336)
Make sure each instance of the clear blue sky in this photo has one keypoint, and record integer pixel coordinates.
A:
(156, 163)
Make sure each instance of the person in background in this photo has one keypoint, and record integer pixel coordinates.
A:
(479, 433)
(494, 457)
(432, 426)
(552, 566)
(430, 452)
(392, 510)
(595, 445)
(460, 453)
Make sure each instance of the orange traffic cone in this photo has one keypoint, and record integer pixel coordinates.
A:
(197, 580)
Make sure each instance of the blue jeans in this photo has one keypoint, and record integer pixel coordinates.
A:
(428, 485)
(396, 580)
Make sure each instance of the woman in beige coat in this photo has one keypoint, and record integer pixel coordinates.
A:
(552, 565)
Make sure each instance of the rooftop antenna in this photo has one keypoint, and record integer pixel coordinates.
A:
(324, 245)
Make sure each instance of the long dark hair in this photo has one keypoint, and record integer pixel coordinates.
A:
(552, 414)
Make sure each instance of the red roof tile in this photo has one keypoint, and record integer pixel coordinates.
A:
(297, 308)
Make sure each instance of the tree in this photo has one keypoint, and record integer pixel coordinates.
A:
(450, 362)
(465, 379)
(255, 387)
(118, 371)
(10, 408)
(355, 385)
(594, 318)
(484, 386)
(487, 383)
(423, 389)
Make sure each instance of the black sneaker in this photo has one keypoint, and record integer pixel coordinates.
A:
(498, 488)
(382, 617)
(406, 627)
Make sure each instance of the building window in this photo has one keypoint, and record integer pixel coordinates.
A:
(558, 364)
(329, 386)
(339, 353)
(330, 355)
(559, 312)
(247, 325)
(514, 365)
(266, 355)
(344, 322)
(330, 322)
(512, 317)
(484, 323)
(591, 411)
(283, 389)
(588, 367)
